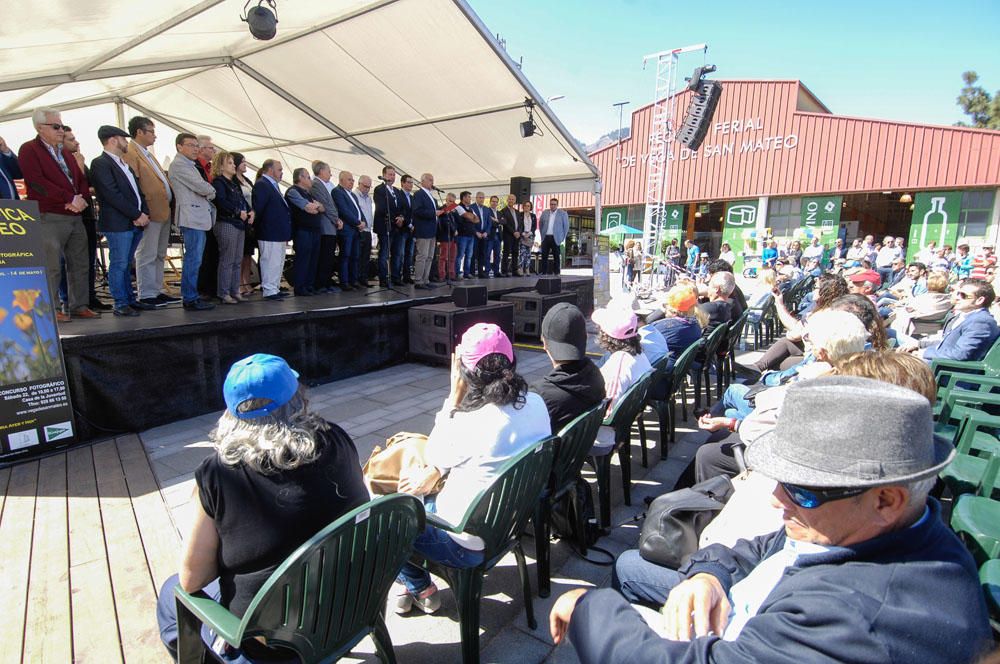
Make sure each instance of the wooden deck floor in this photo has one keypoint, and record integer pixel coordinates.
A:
(85, 542)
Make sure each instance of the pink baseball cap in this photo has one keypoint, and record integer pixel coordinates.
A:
(617, 322)
(483, 339)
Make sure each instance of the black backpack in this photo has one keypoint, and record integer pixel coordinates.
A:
(578, 500)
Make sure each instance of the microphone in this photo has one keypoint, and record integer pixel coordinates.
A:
(439, 190)
(381, 178)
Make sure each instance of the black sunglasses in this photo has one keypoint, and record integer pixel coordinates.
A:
(812, 497)
(57, 127)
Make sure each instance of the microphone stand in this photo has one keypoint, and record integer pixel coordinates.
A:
(388, 286)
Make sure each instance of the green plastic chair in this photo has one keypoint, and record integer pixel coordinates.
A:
(665, 408)
(757, 326)
(989, 579)
(498, 515)
(989, 366)
(727, 352)
(326, 597)
(976, 518)
(573, 446)
(625, 412)
(660, 376)
(948, 381)
(973, 450)
(711, 348)
(956, 405)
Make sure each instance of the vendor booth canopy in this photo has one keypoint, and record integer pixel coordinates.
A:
(419, 84)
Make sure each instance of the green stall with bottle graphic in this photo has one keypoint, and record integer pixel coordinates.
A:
(935, 219)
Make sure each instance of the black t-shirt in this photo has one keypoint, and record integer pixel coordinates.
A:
(571, 389)
(720, 312)
(262, 519)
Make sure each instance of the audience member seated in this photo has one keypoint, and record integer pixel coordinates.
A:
(575, 384)
(619, 336)
(879, 337)
(278, 476)
(829, 335)
(863, 570)
(488, 417)
(863, 282)
(737, 299)
(969, 333)
(763, 290)
(719, 307)
(913, 284)
(787, 351)
(924, 310)
(682, 321)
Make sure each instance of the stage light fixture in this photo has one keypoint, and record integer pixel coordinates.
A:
(263, 22)
(528, 127)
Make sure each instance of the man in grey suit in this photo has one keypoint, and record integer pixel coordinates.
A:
(194, 214)
(321, 188)
(553, 227)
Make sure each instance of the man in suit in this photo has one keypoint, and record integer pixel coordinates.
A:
(155, 188)
(363, 193)
(508, 227)
(527, 227)
(388, 217)
(555, 226)
(351, 223)
(480, 264)
(273, 225)
(401, 235)
(425, 217)
(124, 216)
(9, 171)
(321, 187)
(307, 226)
(971, 331)
(195, 215)
(493, 239)
(55, 180)
(71, 145)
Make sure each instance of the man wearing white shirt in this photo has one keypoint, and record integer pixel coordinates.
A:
(367, 205)
(124, 215)
(554, 226)
(153, 183)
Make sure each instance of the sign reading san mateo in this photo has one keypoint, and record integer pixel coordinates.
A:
(35, 410)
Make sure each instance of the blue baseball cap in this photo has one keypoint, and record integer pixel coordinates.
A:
(259, 376)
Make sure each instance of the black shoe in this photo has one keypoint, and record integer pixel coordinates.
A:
(97, 305)
(163, 298)
(124, 311)
(153, 301)
(303, 293)
(142, 305)
(282, 289)
(407, 280)
(284, 293)
(383, 284)
(422, 286)
(198, 305)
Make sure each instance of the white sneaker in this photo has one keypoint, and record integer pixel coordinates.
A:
(428, 601)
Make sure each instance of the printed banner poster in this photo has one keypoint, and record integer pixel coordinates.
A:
(673, 224)
(35, 410)
(613, 216)
(740, 222)
(821, 215)
(935, 218)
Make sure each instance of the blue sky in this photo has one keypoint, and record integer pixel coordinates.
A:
(882, 59)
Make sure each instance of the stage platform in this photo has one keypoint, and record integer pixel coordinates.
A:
(131, 374)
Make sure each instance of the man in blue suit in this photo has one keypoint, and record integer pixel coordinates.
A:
(9, 171)
(425, 215)
(388, 220)
(969, 333)
(484, 222)
(347, 230)
(554, 227)
(124, 215)
(401, 236)
(273, 226)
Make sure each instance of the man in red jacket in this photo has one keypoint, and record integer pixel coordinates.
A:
(54, 179)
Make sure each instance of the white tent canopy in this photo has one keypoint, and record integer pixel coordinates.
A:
(419, 84)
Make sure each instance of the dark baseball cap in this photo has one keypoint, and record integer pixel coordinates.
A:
(565, 332)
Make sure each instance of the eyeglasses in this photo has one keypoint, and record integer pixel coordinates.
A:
(56, 126)
(965, 296)
(811, 497)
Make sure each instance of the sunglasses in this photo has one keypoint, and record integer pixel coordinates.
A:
(57, 127)
(811, 497)
(965, 296)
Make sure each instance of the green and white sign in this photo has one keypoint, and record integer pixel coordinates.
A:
(613, 216)
(673, 223)
(740, 222)
(821, 215)
(935, 218)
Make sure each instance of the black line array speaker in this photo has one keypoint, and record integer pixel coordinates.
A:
(548, 285)
(435, 329)
(521, 187)
(699, 115)
(530, 308)
(469, 296)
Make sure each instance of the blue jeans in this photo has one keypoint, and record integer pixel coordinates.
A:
(643, 582)
(194, 247)
(166, 617)
(121, 253)
(306, 259)
(349, 250)
(733, 403)
(436, 545)
(466, 245)
(493, 255)
(411, 244)
(398, 241)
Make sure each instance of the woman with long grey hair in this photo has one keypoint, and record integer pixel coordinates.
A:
(279, 475)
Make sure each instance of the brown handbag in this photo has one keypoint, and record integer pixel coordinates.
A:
(384, 466)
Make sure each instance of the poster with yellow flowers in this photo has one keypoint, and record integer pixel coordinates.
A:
(35, 408)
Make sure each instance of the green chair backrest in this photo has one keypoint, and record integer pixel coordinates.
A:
(736, 331)
(682, 366)
(575, 441)
(329, 593)
(714, 340)
(629, 404)
(500, 512)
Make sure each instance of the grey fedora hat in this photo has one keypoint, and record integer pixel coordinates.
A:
(845, 431)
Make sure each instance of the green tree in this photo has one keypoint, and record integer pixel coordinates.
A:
(982, 107)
